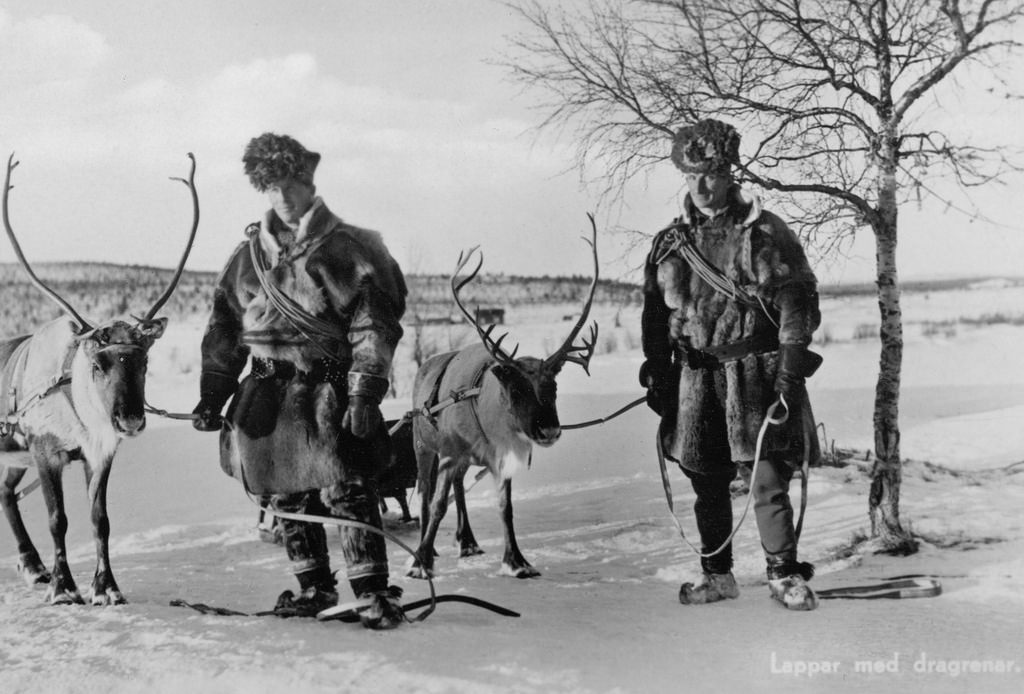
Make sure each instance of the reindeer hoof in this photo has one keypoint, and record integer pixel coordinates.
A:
(110, 597)
(64, 597)
(33, 574)
(419, 572)
(523, 571)
(470, 551)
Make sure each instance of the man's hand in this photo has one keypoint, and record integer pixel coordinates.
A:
(206, 417)
(363, 417)
(796, 363)
(215, 389)
(656, 377)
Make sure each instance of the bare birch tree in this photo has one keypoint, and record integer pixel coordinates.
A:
(838, 103)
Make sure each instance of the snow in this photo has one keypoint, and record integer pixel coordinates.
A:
(591, 515)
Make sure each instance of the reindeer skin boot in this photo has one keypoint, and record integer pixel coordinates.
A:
(712, 587)
(787, 583)
(318, 591)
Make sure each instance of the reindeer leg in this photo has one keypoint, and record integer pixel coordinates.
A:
(30, 567)
(50, 464)
(403, 502)
(513, 563)
(104, 588)
(463, 533)
(435, 503)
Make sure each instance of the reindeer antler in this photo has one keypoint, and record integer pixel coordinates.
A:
(85, 327)
(492, 346)
(580, 354)
(191, 183)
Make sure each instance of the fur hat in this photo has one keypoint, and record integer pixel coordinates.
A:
(269, 158)
(710, 146)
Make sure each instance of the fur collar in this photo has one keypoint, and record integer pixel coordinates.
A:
(307, 231)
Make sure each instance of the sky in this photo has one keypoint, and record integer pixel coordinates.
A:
(424, 137)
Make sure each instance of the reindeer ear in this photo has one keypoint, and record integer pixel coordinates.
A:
(99, 335)
(503, 372)
(153, 328)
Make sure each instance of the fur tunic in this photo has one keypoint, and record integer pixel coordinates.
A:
(288, 431)
(720, 411)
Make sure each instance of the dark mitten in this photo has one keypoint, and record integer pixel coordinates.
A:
(656, 377)
(365, 391)
(796, 363)
(214, 390)
(206, 418)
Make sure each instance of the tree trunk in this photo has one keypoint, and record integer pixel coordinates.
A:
(886, 474)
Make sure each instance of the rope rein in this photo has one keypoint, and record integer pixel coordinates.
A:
(769, 420)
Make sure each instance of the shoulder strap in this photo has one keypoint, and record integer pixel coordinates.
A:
(302, 320)
(676, 238)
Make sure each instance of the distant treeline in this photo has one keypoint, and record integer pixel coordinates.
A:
(97, 291)
(917, 286)
(100, 291)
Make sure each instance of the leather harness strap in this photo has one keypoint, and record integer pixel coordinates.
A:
(308, 325)
(18, 400)
(678, 239)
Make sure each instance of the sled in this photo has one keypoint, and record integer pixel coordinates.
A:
(893, 589)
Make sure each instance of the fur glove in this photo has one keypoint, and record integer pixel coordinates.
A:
(214, 390)
(363, 417)
(796, 363)
(656, 377)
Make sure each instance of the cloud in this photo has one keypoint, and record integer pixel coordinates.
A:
(389, 158)
(48, 49)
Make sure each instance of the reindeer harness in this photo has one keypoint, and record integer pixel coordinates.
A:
(18, 397)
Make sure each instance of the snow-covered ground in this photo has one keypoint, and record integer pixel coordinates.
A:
(591, 515)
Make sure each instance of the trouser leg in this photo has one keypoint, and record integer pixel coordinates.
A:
(365, 552)
(355, 497)
(773, 510)
(305, 543)
(713, 510)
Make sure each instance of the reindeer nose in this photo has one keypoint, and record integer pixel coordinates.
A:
(130, 425)
(548, 435)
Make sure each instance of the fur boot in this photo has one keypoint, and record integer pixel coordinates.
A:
(711, 588)
(787, 583)
(385, 610)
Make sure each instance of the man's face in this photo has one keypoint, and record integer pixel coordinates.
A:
(291, 199)
(709, 191)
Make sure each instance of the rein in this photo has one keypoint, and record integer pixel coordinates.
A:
(769, 419)
(333, 612)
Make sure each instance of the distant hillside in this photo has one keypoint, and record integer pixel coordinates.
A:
(933, 285)
(100, 291)
(105, 290)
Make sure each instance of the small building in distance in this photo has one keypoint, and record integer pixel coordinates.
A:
(490, 315)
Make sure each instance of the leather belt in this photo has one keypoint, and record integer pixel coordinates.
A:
(322, 371)
(715, 356)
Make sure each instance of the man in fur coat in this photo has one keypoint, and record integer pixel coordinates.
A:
(316, 303)
(730, 304)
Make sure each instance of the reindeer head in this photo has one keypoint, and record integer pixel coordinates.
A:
(109, 368)
(109, 371)
(528, 383)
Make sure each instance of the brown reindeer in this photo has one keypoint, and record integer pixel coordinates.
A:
(513, 409)
(71, 391)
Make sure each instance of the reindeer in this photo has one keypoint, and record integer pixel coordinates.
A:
(72, 391)
(513, 409)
